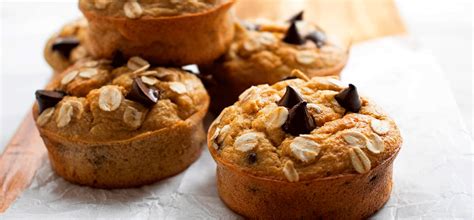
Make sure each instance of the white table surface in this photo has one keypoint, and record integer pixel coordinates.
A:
(444, 27)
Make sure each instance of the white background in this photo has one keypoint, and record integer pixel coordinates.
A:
(432, 174)
(443, 27)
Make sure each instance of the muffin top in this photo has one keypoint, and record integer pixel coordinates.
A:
(108, 100)
(267, 52)
(302, 129)
(134, 9)
(65, 47)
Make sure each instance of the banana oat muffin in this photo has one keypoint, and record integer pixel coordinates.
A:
(165, 32)
(114, 124)
(304, 149)
(267, 52)
(65, 48)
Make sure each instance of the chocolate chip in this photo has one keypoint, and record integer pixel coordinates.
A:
(143, 94)
(349, 99)
(299, 120)
(293, 36)
(252, 158)
(317, 37)
(65, 45)
(297, 17)
(47, 99)
(118, 60)
(291, 98)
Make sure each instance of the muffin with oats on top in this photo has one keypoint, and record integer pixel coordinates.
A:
(267, 52)
(165, 32)
(118, 123)
(304, 149)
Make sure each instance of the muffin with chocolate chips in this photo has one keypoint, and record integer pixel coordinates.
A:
(165, 32)
(109, 124)
(267, 52)
(65, 47)
(304, 149)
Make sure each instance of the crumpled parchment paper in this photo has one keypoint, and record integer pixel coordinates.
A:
(432, 174)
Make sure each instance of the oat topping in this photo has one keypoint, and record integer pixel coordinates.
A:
(223, 134)
(214, 138)
(306, 57)
(314, 107)
(298, 74)
(379, 126)
(111, 102)
(132, 117)
(247, 141)
(44, 117)
(337, 83)
(137, 64)
(251, 45)
(69, 77)
(65, 114)
(102, 4)
(149, 80)
(110, 98)
(356, 139)
(267, 38)
(304, 149)
(377, 145)
(359, 160)
(277, 118)
(91, 64)
(342, 142)
(178, 87)
(132, 9)
(88, 73)
(290, 171)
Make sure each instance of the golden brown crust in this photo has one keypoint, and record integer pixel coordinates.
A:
(261, 57)
(178, 40)
(342, 169)
(98, 136)
(348, 196)
(155, 8)
(255, 112)
(140, 160)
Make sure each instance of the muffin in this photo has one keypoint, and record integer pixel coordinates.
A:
(266, 52)
(65, 48)
(107, 124)
(165, 32)
(304, 149)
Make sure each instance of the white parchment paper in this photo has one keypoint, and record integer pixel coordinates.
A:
(432, 174)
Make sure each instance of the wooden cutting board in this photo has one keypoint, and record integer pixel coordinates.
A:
(357, 20)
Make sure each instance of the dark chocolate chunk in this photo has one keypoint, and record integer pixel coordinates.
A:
(317, 37)
(291, 98)
(118, 60)
(47, 99)
(143, 94)
(297, 17)
(293, 36)
(349, 99)
(299, 120)
(65, 45)
(252, 158)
